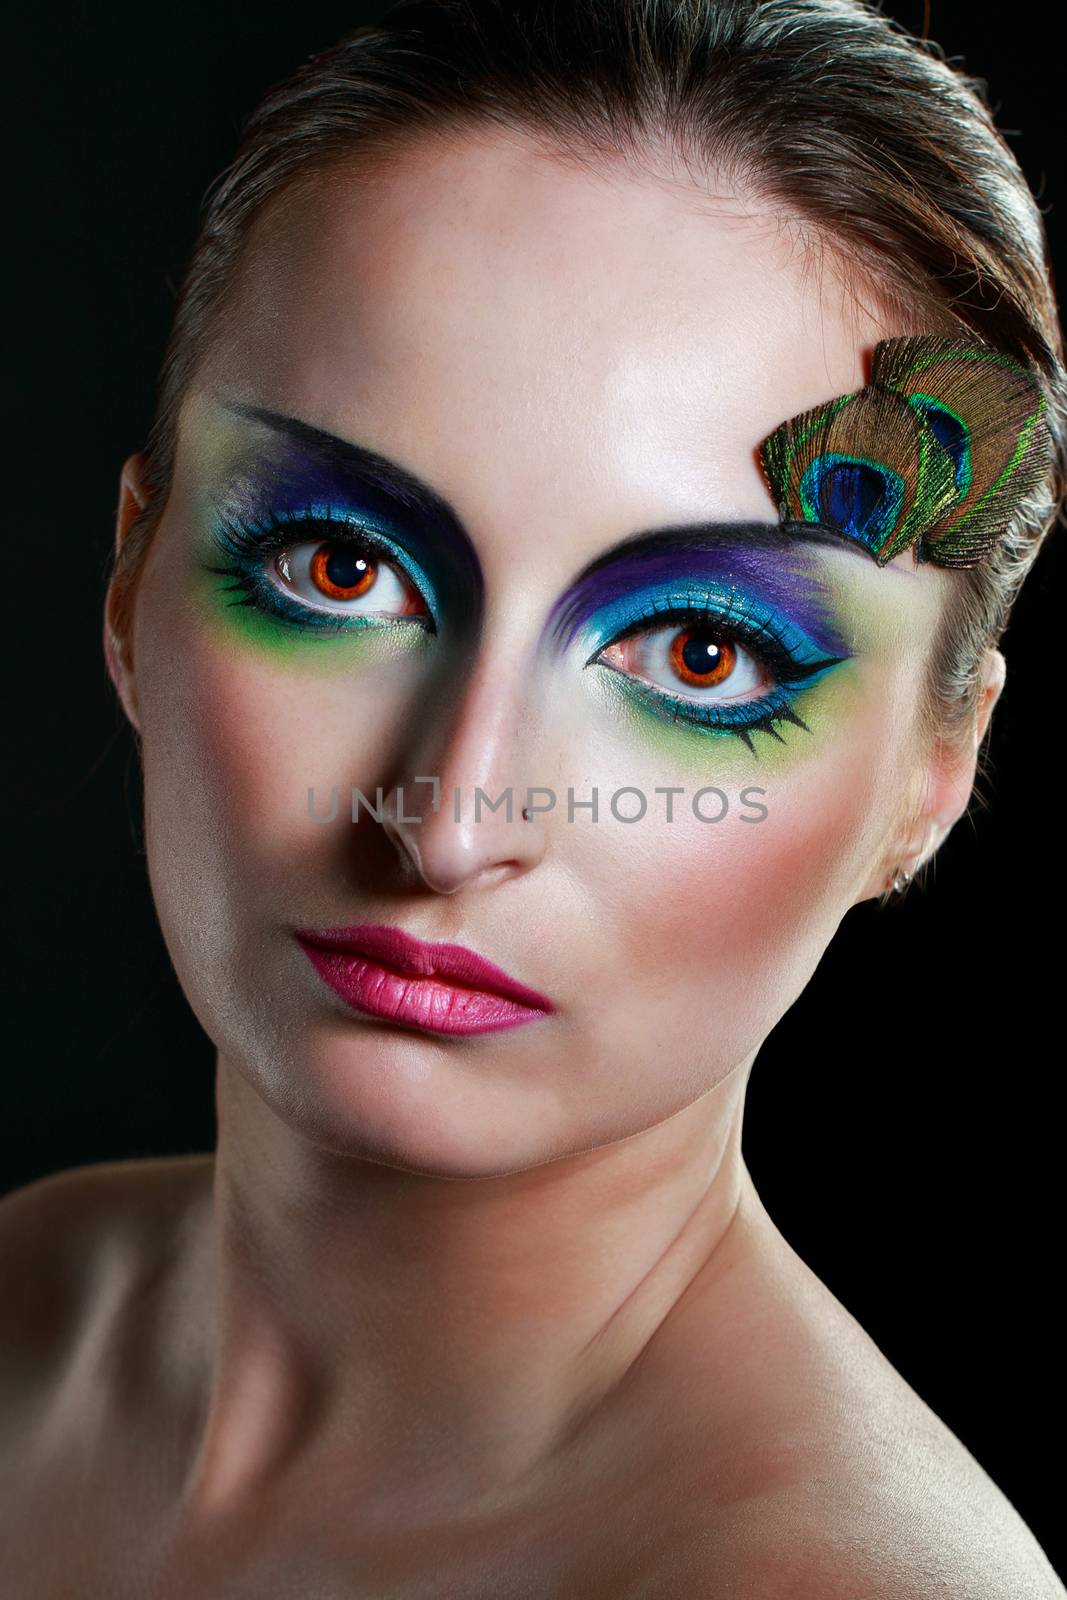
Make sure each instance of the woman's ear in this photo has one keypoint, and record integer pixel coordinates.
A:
(945, 784)
(994, 672)
(118, 642)
(952, 771)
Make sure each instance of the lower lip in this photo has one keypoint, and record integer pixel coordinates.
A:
(430, 1004)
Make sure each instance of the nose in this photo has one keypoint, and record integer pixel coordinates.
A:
(458, 820)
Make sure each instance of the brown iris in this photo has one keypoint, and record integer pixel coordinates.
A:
(700, 659)
(342, 574)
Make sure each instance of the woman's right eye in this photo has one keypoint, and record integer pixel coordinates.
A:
(344, 577)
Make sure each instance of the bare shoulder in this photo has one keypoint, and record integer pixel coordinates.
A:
(836, 1480)
(71, 1244)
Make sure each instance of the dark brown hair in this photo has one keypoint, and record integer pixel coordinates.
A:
(865, 138)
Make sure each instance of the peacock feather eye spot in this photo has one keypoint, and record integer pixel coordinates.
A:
(863, 498)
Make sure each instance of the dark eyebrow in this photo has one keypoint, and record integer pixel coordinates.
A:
(412, 492)
(746, 532)
(732, 554)
(383, 473)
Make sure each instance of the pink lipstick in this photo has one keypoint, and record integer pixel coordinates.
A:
(443, 988)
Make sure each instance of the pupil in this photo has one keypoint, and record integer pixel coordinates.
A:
(701, 654)
(345, 568)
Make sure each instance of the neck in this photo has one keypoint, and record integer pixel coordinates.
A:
(444, 1338)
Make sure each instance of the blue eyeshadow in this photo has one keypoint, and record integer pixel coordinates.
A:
(302, 474)
(779, 582)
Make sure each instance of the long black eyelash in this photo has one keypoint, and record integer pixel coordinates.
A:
(241, 584)
(766, 725)
(662, 703)
(664, 706)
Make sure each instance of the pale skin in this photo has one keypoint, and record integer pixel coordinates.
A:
(503, 1310)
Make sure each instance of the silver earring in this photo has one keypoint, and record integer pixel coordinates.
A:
(899, 881)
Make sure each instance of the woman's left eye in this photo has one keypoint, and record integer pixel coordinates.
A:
(736, 673)
(700, 660)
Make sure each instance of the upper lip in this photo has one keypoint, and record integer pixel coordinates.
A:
(420, 959)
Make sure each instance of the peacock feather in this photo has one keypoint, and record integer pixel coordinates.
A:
(937, 451)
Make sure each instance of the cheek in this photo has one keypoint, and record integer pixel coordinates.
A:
(232, 744)
(717, 926)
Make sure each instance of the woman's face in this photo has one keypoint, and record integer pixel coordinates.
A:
(564, 361)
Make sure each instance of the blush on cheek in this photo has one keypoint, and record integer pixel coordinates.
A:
(237, 744)
(735, 916)
(219, 749)
(230, 748)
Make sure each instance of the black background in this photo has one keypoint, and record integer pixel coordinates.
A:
(903, 1119)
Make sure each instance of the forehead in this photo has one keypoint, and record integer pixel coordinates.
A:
(531, 333)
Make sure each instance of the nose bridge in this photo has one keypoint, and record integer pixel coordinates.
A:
(457, 808)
